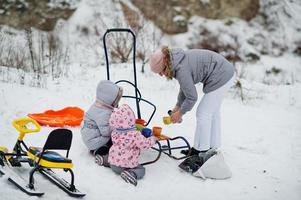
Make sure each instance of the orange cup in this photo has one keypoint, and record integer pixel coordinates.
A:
(157, 131)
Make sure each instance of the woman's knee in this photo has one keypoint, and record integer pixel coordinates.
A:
(204, 115)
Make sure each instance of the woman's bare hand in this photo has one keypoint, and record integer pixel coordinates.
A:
(175, 109)
(176, 117)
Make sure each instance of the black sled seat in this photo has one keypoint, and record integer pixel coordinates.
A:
(45, 159)
(59, 139)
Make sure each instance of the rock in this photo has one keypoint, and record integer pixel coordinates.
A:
(31, 13)
(164, 13)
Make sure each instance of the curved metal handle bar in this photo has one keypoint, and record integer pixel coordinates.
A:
(106, 52)
(167, 149)
(141, 99)
(158, 156)
(134, 59)
(132, 84)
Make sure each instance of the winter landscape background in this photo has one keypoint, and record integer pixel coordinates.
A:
(261, 141)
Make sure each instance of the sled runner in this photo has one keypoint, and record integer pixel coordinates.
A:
(168, 148)
(164, 144)
(39, 159)
(1, 173)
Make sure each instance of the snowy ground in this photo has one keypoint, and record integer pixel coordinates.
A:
(261, 136)
(261, 140)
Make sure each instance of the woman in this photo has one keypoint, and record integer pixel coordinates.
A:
(189, 68)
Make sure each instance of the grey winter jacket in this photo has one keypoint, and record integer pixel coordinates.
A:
(96, 131)
(197, 65)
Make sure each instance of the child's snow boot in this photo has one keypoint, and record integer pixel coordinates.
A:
(102, 160)
(129, 177)
(99, 159)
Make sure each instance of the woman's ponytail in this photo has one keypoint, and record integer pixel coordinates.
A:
(167, 62)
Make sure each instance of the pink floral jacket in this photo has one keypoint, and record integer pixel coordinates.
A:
(127, 141)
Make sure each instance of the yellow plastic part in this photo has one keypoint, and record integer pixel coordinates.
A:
(4, 150)
(48, 164)
(22, 126)
(167, 120)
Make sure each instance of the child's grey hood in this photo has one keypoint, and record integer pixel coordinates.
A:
(177, 56)
(107, 91)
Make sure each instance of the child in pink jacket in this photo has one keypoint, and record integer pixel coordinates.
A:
(127, 145)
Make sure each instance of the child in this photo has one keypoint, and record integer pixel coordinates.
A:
(96, 132)
(127, 145)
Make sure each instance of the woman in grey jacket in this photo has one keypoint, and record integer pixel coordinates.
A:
(96, 132)
(189, 68)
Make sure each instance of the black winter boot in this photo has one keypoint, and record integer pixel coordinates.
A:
(129, 177)
(102, 160)
(192, 151)
(192, 164)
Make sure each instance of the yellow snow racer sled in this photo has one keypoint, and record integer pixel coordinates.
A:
(39, 159)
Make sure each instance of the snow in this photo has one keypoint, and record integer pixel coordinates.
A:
(261, 139)
(179, 18)
(63, 3)
(288, 64)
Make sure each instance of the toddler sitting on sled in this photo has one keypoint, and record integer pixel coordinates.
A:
(96, 132)
(127, 145)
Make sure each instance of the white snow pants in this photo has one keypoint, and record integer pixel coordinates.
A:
(208, 120)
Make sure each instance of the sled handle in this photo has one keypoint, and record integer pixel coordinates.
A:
(146, 101)
(106, 52)
(22, 126)
(134, 59)
(134, 49)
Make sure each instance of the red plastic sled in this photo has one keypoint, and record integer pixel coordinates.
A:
(69, 116)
